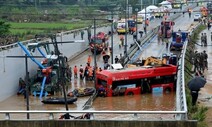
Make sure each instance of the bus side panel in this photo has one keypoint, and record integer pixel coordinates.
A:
(169, 86)
(133, 91)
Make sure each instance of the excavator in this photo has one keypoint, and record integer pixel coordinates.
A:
(155, 61)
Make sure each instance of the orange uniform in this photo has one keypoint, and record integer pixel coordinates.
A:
(89, 59)
(75, 71)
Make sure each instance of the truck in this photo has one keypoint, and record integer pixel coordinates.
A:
(122, 27)
(166, 28)
(178, 39)
(100, 41)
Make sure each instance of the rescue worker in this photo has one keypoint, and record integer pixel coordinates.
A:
(69, 73)
(81, 72)
(89, 60)
(202, 39)
(116, 59)
(147, 22)
(145, 86)
(22, 86)
(122, 40)
(205, 39)
(90, 73)
(205, 59)
(100, 69)
(82, 34)
(75, 71)
(196, 61)
(86, 73)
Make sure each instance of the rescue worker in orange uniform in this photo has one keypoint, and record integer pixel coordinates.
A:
(75, 71)
(89, 60)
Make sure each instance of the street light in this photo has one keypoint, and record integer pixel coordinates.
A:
(125, 47)
(136, 10)
(112, 39)
(94, 25)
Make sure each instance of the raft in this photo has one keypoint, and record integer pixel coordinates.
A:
(81, 92)
(59, 100)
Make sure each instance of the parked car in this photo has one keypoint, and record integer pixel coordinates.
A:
(197, 17)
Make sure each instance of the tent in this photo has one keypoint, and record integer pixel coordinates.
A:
(151, 8)
(166, 4)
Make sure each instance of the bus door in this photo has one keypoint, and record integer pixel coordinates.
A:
(103, 88)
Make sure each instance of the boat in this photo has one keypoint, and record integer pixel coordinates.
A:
(59, 100)
(81, 92)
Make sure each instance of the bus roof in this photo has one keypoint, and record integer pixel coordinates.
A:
(138, 72)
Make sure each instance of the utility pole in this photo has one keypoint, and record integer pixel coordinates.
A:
(27, 86)
(145, 20)
(125, 46)
(112, 39)
(94, 24)
(136, 10)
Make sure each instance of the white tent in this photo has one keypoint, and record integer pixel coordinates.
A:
(166, 4)
(151, 8)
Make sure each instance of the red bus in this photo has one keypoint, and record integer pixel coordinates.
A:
(131, 81)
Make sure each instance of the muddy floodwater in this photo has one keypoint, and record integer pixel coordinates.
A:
(143, 102)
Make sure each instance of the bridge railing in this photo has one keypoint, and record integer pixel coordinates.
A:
(53, 114)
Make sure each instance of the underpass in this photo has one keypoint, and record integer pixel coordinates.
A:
(146, 124)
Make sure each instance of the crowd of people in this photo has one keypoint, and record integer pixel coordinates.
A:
(200, 61)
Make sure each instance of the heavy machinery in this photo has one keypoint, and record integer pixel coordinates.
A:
(155, 61)
(178, 39)
(166, 29)
(100, 41)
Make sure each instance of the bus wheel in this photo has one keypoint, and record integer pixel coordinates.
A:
(168, 90)
(130, 93)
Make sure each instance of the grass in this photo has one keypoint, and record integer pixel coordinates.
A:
(21, 28)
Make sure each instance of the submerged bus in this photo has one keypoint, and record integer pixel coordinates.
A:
(131, 81)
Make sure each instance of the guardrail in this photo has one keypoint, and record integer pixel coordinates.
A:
(53, 113)
(180, 92)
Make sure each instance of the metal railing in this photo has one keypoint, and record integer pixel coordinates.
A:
(52, 113)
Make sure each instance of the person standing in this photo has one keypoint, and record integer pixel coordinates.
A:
(202, 39)
(205, 39)
(75, 71)
(205, 59)
(89, 34)
(89, 60)
(81, 72)
(195, 93)
(82, 34)
(116, 60)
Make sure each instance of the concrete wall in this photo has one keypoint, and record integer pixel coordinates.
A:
(11, 69)
(96, 123)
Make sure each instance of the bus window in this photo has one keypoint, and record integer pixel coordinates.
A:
(102, 82)
(115, 84)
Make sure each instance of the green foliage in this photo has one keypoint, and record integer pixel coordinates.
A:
(194, 112)
(200, 114)
(4, 28)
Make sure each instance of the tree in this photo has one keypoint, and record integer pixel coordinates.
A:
(4, 28)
